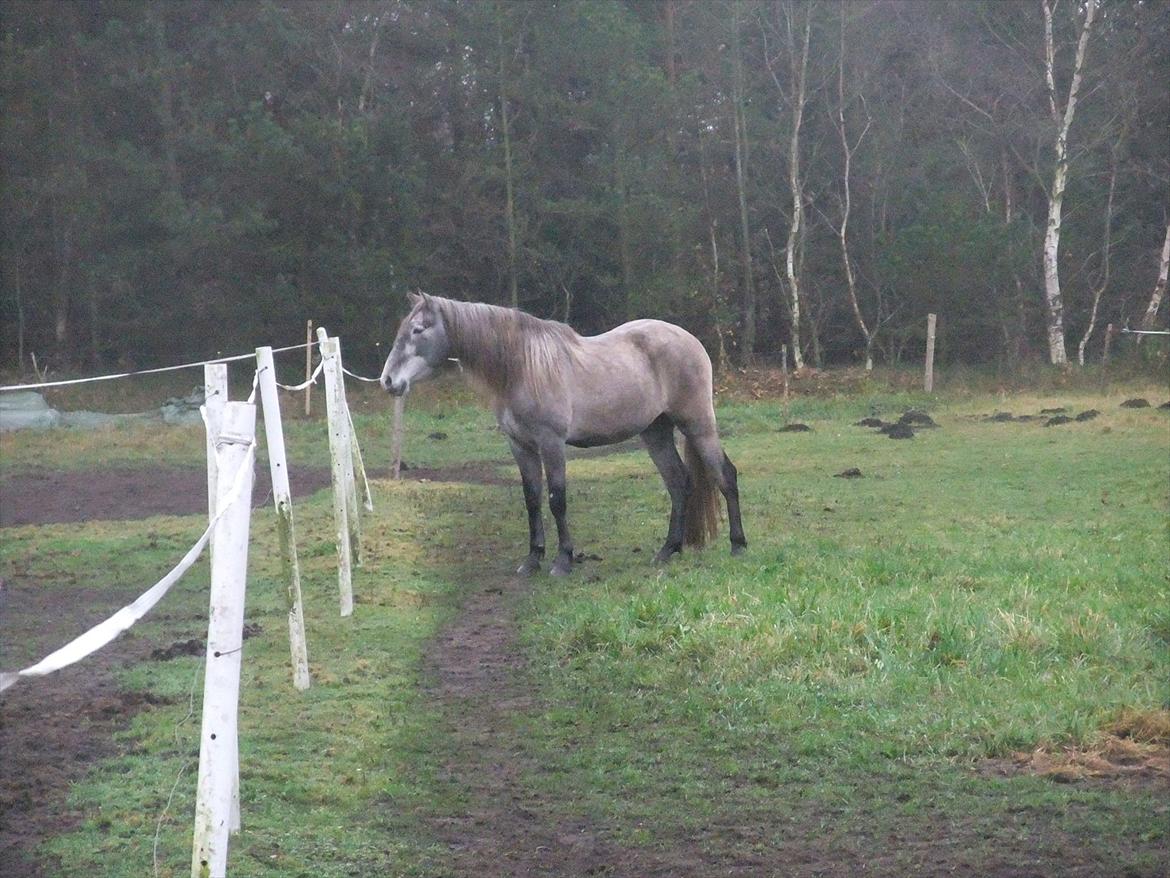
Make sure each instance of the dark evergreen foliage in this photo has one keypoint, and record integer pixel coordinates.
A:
(181, 179)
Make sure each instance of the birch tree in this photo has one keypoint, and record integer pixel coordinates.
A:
(1062, 109)
(1159, 286)
(506, 134)
(847, 151)
(796, 97)
(738, 100)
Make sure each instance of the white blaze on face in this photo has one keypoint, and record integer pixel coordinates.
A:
(411, 367)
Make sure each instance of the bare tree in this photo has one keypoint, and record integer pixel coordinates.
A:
(1102, 282)
(796, 96)
(738, 99)
(1160, 286)
(847, 151)
(1062, 116)
(506, 132)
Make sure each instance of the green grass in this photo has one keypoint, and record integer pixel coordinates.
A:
(984, 589)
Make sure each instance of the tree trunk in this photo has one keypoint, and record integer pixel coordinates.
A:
(846, 199)
(748, 332)
(1160, 287)
(624, 229)
(796, 230)
(1106, 246)
(1053, 300)
(166, 101)
(509, 196)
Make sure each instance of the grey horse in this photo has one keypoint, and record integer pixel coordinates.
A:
(550, 387)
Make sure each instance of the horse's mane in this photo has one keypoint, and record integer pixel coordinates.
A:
(506, 348)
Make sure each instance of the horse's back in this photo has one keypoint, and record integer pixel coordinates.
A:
(659, 362)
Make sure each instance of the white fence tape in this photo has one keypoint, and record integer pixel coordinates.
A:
(299, 387)
(360, 377)
(100, 635)
(45, 384)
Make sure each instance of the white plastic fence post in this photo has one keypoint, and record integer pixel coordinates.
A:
(215, 394)
(353, 513)
(282, 498)
(218, 741)
(338, 454)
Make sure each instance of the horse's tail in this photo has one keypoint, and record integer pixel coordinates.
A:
(702, 509)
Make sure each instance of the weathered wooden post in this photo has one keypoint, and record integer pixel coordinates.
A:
(282, 498)
(396, 435)
(1108, 342)
(361, 482)
(217, 789)
(784, 374)
(339, 453)
(930, 324)
(308, 368)
(353, 516)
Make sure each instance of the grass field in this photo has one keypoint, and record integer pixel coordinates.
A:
(856, 688)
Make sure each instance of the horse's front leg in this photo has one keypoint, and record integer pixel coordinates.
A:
(528, 459)
(553, 453)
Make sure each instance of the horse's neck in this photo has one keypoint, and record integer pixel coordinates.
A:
(480, 355)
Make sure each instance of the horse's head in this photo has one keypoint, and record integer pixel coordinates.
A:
(420, 347)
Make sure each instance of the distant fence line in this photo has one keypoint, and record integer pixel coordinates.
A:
(45, 384)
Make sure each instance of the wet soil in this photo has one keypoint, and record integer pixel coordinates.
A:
(43, 496)
(51, 731)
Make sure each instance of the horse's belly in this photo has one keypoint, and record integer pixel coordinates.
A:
(612, 417)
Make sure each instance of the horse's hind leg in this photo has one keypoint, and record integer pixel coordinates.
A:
(726, 476)
(528, 459)
(659, 441)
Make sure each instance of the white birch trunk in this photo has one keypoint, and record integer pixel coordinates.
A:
(1053, 300)
(1106, 248)
(796, 184)
(847, 200)
(1160, 287)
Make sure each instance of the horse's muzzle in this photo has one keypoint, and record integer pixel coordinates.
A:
(394, 388)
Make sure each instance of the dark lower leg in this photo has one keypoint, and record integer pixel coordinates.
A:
(729, 485)
(558, 504)
(529, 463)
(554, 468)
(659, 441)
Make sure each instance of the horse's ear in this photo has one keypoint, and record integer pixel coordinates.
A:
(413, 299)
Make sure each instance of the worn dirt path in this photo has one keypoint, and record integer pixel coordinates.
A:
(475, 671)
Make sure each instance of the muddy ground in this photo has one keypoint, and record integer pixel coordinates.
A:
(475, 674)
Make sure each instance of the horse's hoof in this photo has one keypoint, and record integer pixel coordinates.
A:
(530, 566)
(562, 567)
(738, 548)
(666, 553)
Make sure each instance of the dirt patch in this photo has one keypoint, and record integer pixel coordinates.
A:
(475, 672)
(1134, 748)
(52, 728)
(43, 496)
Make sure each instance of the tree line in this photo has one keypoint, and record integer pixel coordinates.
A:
(181, 179)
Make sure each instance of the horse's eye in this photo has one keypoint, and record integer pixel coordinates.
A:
(416, 331)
